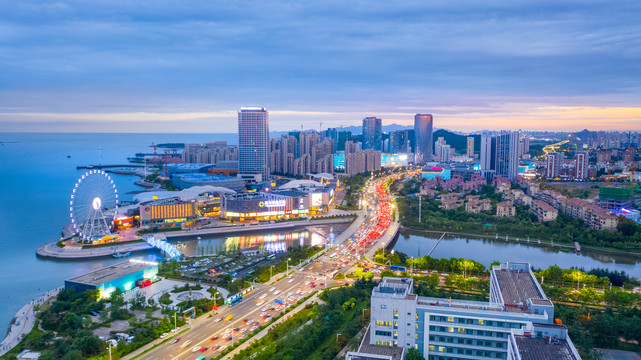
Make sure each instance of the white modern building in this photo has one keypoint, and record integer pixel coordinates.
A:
(253, 143)
(516, 323)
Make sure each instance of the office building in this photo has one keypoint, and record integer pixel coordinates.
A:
(398, 142)
(253, 143)
(470, 146)
(372, 134)
(488, 156)
(423, 124)
(507, 155)
(515, 323)
(553, 167)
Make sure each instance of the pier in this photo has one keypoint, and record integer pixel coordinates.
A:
(90, 167)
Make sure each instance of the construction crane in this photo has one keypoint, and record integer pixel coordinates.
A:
(321, 127)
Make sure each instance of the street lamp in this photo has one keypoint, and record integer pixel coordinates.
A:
(270, 271)
(175, 321)
(109, 351)
(287, 272)
(337, 337)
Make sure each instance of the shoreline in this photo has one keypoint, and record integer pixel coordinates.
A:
(26, 317)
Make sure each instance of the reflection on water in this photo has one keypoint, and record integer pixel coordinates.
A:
(271, 242)
(487, 250)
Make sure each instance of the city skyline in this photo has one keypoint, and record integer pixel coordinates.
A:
(105, 67)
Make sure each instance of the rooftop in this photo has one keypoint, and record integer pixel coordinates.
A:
(540, 349)
(391, 352)
(390, 285)
(112, 272)
(516, 285)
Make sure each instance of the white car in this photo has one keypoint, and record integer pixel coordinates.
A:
(164, 335)
(291, 281)
(185, 343)
(253, 328)
(174, 330)
(195, 349)
(260, 303)
(276, 292)
(243, 330)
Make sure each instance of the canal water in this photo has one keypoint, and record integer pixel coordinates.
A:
(268, 241)
(488, 250)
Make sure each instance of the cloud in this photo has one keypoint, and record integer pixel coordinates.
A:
(331, 59)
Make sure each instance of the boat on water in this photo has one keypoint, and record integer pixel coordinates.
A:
(119, 255)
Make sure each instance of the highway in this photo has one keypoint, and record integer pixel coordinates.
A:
(300, 283)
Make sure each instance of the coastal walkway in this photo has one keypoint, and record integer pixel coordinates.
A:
(23, 322)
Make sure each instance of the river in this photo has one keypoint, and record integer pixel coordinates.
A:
(488, 250)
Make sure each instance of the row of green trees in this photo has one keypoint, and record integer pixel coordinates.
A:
(333, 325)
(461, 265)
(294, 254)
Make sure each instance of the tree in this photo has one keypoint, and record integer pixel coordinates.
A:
(74, 354)
(165, 299)
(413, 354)
(117, 297)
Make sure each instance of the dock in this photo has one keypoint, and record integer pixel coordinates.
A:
(89, 167)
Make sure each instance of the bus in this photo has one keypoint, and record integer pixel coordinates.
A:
(234, 300)
(397, 268)
(251, 272)
(271, 256)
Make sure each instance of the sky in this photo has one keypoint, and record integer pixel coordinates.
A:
(188, 66)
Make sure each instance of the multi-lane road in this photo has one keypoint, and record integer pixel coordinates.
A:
(212, 334)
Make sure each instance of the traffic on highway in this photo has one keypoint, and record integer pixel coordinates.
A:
(208, 336)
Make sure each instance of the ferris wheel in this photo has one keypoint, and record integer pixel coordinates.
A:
(93, 194)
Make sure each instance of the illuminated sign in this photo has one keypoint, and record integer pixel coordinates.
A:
(273, 203)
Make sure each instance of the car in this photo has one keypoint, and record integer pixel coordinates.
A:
(175, 340)
(253, 328)
(203, 349)
(228, 338)
(236, 329)
(214, 338)
(243, 330)
(185, 343)
(260, 303)
(218, 320)
(174, 330)
(164, 335)
(200, 358)
(223, 348)
(291, 281)
(196, 349)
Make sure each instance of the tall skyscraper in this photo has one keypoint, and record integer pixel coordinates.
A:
(253, 142)
(507, 155)
(423, 132)
(372, 133)
(470, 146)
(488, 156)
